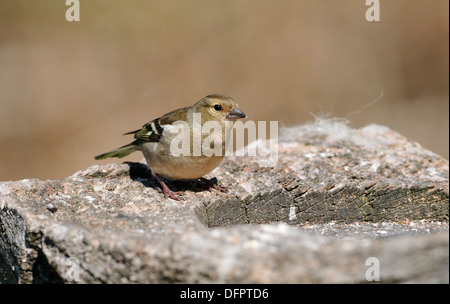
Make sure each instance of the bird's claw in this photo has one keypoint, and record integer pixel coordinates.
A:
(171, 194)
(212, 185)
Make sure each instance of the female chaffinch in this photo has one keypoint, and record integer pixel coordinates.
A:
(157, 139)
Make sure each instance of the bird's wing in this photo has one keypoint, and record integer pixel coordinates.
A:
(153, 130)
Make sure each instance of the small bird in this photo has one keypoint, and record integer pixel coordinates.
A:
(159, 138)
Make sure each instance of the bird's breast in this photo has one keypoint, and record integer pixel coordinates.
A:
(184, 157)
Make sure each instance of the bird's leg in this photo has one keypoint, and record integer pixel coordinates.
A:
(167, 192)
(211, 185)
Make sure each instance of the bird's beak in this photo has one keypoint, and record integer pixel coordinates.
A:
(236, 114)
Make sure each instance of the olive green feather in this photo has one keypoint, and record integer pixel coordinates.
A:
(120, 152)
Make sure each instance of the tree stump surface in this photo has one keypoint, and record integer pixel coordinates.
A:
(335, 197)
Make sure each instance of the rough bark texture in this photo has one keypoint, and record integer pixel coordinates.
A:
(338, 197)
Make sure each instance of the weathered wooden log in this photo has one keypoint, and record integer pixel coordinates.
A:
(372, 174)
(109, 223)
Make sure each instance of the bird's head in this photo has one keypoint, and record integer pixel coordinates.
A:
(219, 108)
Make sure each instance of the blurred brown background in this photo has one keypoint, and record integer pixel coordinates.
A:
(68, 90)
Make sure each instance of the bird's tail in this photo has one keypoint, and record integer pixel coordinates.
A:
(120, 152)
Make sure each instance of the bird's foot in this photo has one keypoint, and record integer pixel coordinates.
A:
(212, 185)
(171, 194)
(167, 192)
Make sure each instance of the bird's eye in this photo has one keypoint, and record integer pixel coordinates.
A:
(217, 107)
